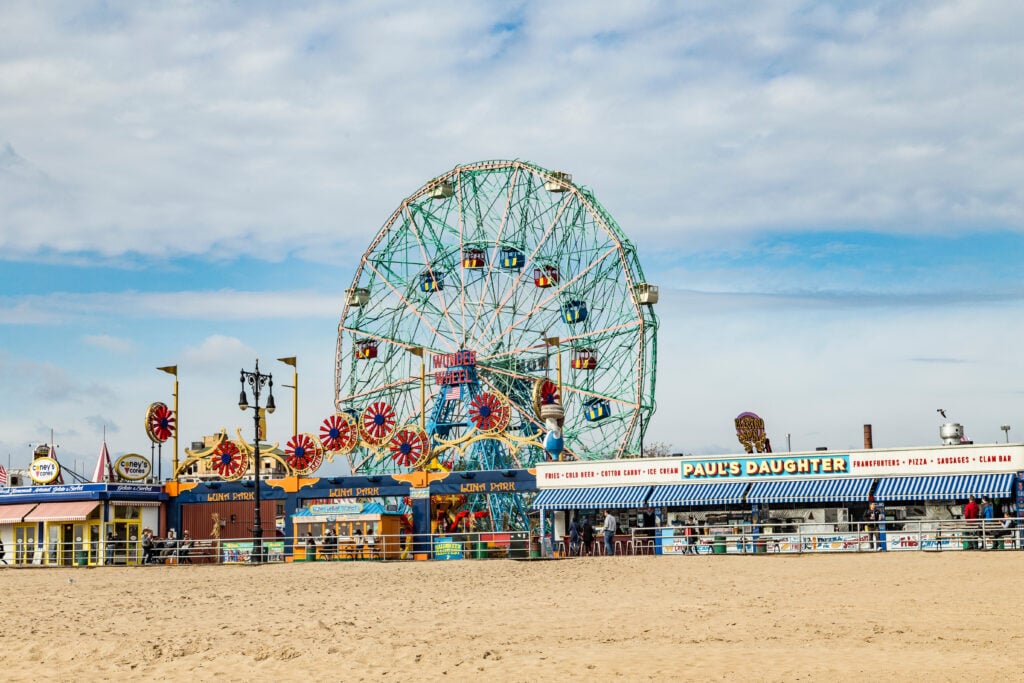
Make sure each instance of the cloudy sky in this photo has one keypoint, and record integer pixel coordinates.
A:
(828, 194)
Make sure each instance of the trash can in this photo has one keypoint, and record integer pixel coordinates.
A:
(81, 558)
(534, 547)
(719, 546)
(480, 550)
(760, 546)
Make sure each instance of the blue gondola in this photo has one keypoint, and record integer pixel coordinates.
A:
(597, 409)
(574, 311)
(430, 282)
(512, 259)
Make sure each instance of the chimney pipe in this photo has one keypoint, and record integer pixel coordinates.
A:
(868, 445)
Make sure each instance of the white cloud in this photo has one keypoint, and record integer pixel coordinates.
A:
(109, 343)
(186, 130)
(216, 350)
(62, 307)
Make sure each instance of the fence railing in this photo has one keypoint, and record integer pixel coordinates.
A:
(951, 535)
(992, 534)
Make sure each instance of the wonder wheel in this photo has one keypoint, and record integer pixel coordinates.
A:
(486, 275)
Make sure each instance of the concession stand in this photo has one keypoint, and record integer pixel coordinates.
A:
(757, 502)
(70, 524)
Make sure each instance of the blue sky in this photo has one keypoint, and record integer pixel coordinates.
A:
(828, 195)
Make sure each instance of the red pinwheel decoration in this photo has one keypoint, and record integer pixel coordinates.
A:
(408, 446)
(545, 392)
(159, 422)
(378, 422)
(488, 412)
(303, 454)
(228, 461)
(338, 433)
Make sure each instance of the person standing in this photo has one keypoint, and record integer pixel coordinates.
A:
(690, 532)
(588, 536)
(574, 538)
(610, 525)
(111, 546)
(872, 516)
(971, 514)
(987, 513)
(357, 537)
(185, 548)
(310, 547)
(330, 545)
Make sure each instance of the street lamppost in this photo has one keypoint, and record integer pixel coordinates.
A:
(294, 362)
(1006, 430)
(171, 370)
(256, 381)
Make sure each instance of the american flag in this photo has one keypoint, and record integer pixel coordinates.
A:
(452, 393)
(3, 476)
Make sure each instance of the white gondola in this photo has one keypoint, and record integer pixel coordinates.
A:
(647, 293)
(357, 296)
(442, 190)
(559, 181)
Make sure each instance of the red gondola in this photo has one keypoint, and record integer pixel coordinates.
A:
(546, 276)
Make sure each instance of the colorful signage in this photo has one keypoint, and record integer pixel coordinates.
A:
(457, 367)
(446, 548)
(240, 552)
(125, 490)
(941, 460)
(746, 468)
(132, 466)
(44, 470)
(336, 509)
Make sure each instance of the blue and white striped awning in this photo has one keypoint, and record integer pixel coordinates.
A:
(598, 497)
(810, 491)
(718, 493)
(948, 487)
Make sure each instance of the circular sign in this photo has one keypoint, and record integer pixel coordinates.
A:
(132, 467)
(44, 470)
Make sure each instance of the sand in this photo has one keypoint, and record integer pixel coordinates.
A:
(888, 617)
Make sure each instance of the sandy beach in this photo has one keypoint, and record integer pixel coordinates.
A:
(889, 617)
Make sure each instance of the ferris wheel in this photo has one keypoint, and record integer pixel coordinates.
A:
(501, 271)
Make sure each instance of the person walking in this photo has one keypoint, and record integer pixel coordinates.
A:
(610, 525)
(587, 533)
(3, 553)
(574, 538)
(148, 546)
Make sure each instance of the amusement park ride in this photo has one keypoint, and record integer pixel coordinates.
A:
(485, 274)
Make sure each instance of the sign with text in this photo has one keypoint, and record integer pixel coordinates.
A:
(941, 460)
(43, 470)
(446, 548)
(132, 466)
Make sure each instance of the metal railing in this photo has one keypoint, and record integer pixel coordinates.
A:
(934, 535)
(993, 534)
